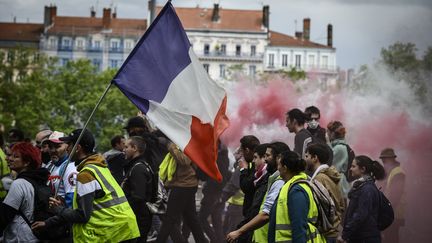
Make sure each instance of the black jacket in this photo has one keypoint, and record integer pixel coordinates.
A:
(139, 186)
(247, 177)
(362, 213)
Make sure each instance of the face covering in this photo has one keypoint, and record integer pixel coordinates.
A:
(313, 124)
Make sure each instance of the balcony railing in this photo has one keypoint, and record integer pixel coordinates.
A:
(229, 55)
(307, 67)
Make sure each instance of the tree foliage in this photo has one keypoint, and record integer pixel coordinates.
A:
(42, 93)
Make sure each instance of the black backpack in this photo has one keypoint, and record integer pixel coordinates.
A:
(41, 212)
(385, 213)
(351, 156)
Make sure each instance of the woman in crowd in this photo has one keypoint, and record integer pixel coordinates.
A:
(293, 216)
(25, 160)
(361, 218)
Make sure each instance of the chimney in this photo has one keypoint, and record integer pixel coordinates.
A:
(299, 35)
(306, 28)
(330, 35)
(49, 15)
(152, 10)
(215, 16)
(266, 15)
(115, 13)
(92, 12)
(106, 18)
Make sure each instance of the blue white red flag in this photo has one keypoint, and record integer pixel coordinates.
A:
(163, 77)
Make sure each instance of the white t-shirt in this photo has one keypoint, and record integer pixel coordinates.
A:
(21, 198)
(69, 178)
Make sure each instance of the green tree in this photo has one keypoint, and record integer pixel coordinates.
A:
(62, 98)
(294, 74)
(400, 57)
(427, 60)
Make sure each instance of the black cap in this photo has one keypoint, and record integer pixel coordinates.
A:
(136, 121)
(87, 140)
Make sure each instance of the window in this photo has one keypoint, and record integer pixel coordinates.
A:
(206, 49)
(128, 44)
(298, 61)
(238, 50)
(66, 42)
(64, 61)
(311, 60)
(222, 70)
(114, 63)
(80, 44)
(284, 60)
(324, 62)
(206, 67)
(115, 45)
(252, 70)
(97, 44)
(223, 49)
(271, 60)
(52, 42)
(253, 50)
(97, 64)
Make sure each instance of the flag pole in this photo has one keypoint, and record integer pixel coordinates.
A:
(82, 132)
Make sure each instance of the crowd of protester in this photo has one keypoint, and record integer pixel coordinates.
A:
(266, 194)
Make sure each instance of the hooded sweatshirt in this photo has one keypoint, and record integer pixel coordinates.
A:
(329, 177)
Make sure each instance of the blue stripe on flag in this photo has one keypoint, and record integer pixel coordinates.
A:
(160, 55)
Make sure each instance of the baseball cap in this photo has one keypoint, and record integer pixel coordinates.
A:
(87, 139)
(54, 137)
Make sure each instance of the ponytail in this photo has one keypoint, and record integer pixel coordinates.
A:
(372, 167)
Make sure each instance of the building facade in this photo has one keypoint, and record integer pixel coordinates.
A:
(105, 41)
(226, 41)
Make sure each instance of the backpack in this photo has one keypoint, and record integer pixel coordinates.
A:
(159, 202)
(351, 156)
(325, 204)
(385, 212)
(42, 212)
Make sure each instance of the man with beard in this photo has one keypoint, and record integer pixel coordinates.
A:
(101, 212)
(62, 173)
(329, 177)
(260, 222)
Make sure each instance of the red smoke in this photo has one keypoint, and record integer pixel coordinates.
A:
(372, 123)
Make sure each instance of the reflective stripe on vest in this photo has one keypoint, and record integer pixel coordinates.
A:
(261, 234)
(283, 224)
(115, 198)
(112, 211)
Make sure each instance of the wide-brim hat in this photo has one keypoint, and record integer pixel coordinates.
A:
(387, 153)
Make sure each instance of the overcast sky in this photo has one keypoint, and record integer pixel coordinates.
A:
(360, 27)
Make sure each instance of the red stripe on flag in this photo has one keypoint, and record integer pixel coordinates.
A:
(202, 148)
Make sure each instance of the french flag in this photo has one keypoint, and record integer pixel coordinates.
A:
(164, 79)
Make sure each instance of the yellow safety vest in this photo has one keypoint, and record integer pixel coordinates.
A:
(4, 171)
(283, 224)
(237, 199)
(112, 219)
(400, 210)
(261, 234)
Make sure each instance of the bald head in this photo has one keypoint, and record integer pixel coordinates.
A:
(41, 136)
